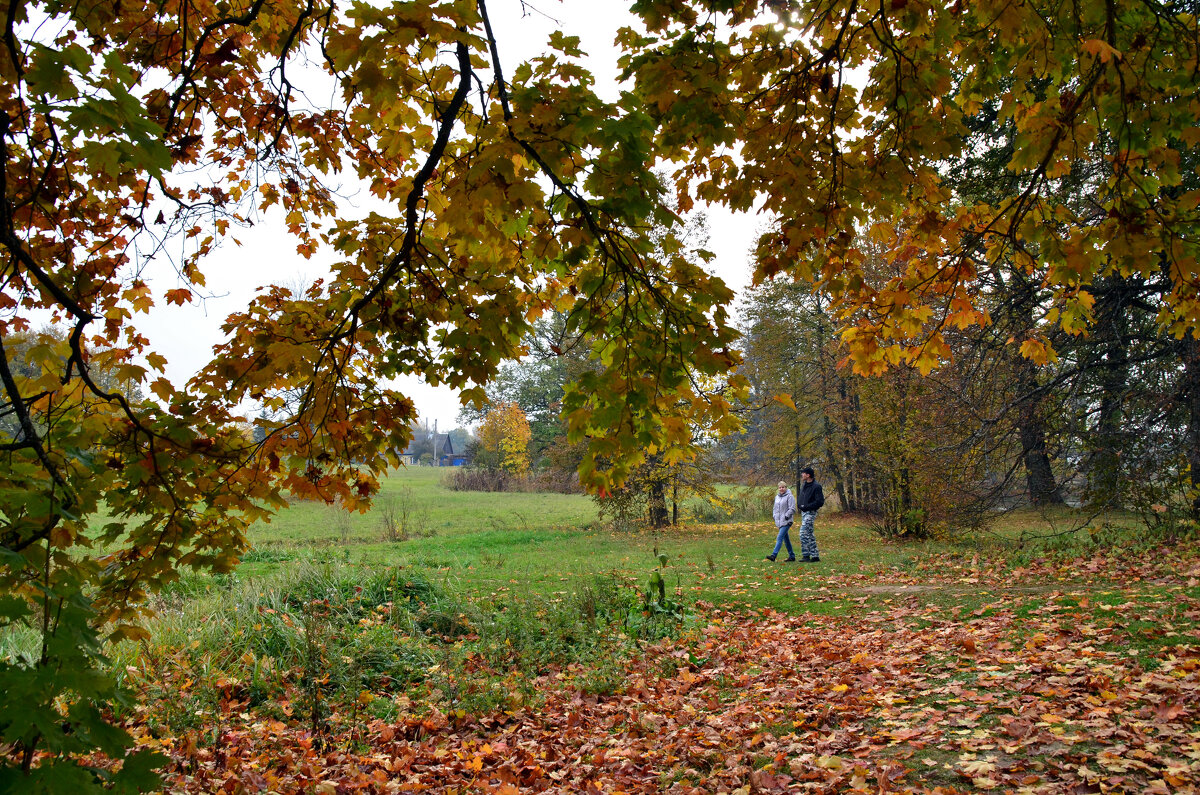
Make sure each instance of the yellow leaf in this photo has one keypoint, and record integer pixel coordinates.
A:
(925, 361)
(1035, 351)
(163, 388)
(977, 767)
(475, 396)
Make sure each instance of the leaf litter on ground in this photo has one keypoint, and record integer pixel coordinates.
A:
(1072, 677)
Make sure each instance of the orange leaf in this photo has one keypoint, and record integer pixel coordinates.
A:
(785, 400)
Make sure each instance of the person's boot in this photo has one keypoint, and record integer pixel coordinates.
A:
(792, 559)
(771, 558)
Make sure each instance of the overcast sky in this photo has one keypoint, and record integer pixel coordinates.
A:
(186, 335)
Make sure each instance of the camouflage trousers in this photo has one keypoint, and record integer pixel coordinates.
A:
(808, 539)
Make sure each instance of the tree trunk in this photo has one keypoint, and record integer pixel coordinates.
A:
(1031, 423)
(658, 506)
(1191, 375)
(675, 499)
(1039, 476)
(907, 521)
(835, 456)
(796, 456)
(857, 475)
(657, 496)
(835, 472)
(901, 475)
(827, 430)
(1105, 466)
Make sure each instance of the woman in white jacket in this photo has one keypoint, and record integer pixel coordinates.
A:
(784, 514)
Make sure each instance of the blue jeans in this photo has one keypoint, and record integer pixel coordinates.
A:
(783, 539)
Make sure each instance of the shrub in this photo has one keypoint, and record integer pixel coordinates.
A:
(625, 509)
(547, 481)
(557, 481)
(319, 636)
(472, 479)
(402, 517)
(746, 505)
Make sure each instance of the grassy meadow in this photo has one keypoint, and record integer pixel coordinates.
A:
(495, 607)
(549, 545)
(546, 545)
(485, 593)
(519, 584)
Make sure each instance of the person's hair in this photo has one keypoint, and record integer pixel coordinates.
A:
(808, 471)
(782, 485)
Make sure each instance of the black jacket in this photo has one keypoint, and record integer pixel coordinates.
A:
(810, 498)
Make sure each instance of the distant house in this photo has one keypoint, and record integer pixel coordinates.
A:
(438, 444)
(443, 450)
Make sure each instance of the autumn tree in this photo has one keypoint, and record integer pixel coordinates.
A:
(551, 359)
(557, 355)
(662, 469)
(1012, 297)
(138, 137)
(790, 359)
(912, 451)
(1088, 413)
(503, 440)
(30, 351)
(842, 163)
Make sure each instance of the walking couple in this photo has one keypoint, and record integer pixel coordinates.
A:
(810, 500)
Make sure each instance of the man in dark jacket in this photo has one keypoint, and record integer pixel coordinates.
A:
(808, 502)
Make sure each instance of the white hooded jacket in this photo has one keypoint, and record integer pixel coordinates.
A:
(785, 508)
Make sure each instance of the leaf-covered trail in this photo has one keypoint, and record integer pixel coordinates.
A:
(1033, 693)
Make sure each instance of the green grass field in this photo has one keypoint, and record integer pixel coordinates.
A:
(527, 583)
(480, 547)
(479, 543)
(491, 600)
(452, 530)
(545, 544)
(476, 544)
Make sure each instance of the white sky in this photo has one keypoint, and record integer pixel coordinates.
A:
(186, 335)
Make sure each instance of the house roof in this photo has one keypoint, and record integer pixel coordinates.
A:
(441, 444)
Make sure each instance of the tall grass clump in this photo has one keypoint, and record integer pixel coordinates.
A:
(346, 629)
(308, 645)
(538, 635)
(403, 517)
